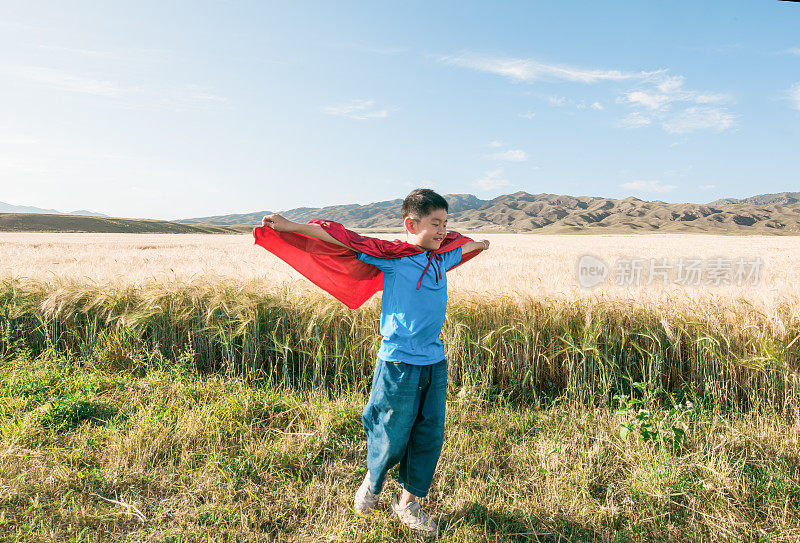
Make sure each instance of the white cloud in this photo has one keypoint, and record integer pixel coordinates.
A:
(129, 55)
(648, 186)
(706, 187)
(660, 98)
(699, 118)
(670, 83)
(791, 51)
(17, 138)
(491, 180)
(794, 95)
(357, 109)
(713, 98)
(668, 91)
(652, 101)
(528, 115)
(199, 95)
(597, 106)
(521, 69)
(511, 155)
(61, 80)
(182, 97)
(14, 25)
(677, 109)
(495, 143)
(110, 55)
(176, 97)
(635, 120)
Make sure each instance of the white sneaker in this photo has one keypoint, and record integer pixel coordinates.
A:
(365, 499)
(414, 517)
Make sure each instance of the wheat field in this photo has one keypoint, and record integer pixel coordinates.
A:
(518, 315)
(516, 264)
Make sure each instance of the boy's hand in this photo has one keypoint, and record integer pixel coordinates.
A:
(470, 246)
(277, 223)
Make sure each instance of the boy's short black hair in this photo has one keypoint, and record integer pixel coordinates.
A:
(422, 202)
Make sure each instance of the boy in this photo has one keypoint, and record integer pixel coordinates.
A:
(404, 417)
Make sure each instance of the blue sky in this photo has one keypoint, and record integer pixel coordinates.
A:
(181, 109)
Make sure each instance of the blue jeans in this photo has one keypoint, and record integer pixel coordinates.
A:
(404, 422)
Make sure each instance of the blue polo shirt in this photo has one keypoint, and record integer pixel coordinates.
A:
(411, 318)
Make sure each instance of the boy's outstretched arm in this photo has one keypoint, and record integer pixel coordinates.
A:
(470, 246)
(282, 224)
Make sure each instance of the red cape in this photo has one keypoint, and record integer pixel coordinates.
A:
(334, 268)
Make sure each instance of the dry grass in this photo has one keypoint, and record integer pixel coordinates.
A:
(92, 454)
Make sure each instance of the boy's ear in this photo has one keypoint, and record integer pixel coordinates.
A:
(410, 224)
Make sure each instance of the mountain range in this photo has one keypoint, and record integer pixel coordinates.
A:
(553, 213)
(777, 213)
(782, 198)
(10, 208)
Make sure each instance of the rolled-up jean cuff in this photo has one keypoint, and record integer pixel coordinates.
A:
(419, 493)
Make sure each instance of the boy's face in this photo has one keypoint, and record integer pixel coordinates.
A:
(429, 231)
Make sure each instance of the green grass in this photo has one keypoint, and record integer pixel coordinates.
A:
(89, 452)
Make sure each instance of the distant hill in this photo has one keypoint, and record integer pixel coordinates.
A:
(378, 214)
(518, 212)
(86, 213)
(40, 222)
(557, 213)
(553, 213)
(780, 198)
(10, 208)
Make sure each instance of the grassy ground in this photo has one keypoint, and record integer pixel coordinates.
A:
(42, 222)
(161, 453)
